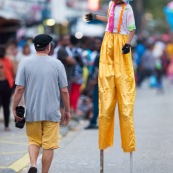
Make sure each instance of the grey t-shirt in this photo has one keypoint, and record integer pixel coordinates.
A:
(147, 60)
(42, 77)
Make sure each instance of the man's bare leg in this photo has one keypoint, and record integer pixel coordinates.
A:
(47, 160)
(33, 153)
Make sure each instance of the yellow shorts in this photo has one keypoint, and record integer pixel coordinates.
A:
(44, 134)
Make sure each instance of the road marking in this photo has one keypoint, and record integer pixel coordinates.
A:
(8, 153)
(13, 137)
(2, 167)
(20, 164)
(8, 142)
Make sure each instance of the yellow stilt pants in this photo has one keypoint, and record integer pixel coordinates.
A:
(116, 83)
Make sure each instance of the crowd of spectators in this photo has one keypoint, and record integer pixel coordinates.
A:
(152, 59)
(78, 57)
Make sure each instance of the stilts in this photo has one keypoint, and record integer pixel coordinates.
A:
(101, 161)
(131, 162)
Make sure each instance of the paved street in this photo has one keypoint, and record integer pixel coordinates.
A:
(13, 146)
(78, 151)
(154, 134)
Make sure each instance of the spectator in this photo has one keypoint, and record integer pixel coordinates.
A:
(86, 54)
(7, 74)
(170, 71)
(12, 51)
(52, 50)
(165, 62)
(169, 54)
(93, 83)
(158, 50)
(57, 46)
(147, 64)
(21, 42)
(42, 79)
(94, 54)
(77, 75)
(139, 50)
(65, 55)
(169, 49)
(26, 52)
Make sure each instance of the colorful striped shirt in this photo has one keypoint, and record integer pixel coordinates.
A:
(128, 21)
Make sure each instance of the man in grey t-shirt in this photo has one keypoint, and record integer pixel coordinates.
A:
(42, 79)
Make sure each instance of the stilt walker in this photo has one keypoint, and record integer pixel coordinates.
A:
(116, 77)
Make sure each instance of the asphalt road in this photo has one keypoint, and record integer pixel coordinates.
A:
(78, 152)
(154, 135)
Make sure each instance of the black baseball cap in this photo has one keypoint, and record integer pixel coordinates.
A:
(42, 40)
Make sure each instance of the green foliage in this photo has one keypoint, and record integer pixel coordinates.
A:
(155, 7)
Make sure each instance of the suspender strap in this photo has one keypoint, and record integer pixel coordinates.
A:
(121, 17)
(110, 9)
(112, 6)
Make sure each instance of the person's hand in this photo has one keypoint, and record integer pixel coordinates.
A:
(90, 16)
(126, 48)
(18, 119)
(65, 118)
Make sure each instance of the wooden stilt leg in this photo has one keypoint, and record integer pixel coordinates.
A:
(101, 161)
(131, 162)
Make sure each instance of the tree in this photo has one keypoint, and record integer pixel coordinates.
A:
(155, 7)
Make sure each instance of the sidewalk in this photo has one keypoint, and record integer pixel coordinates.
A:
(154, 154)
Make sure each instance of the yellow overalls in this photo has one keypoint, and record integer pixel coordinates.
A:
(116, 83)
